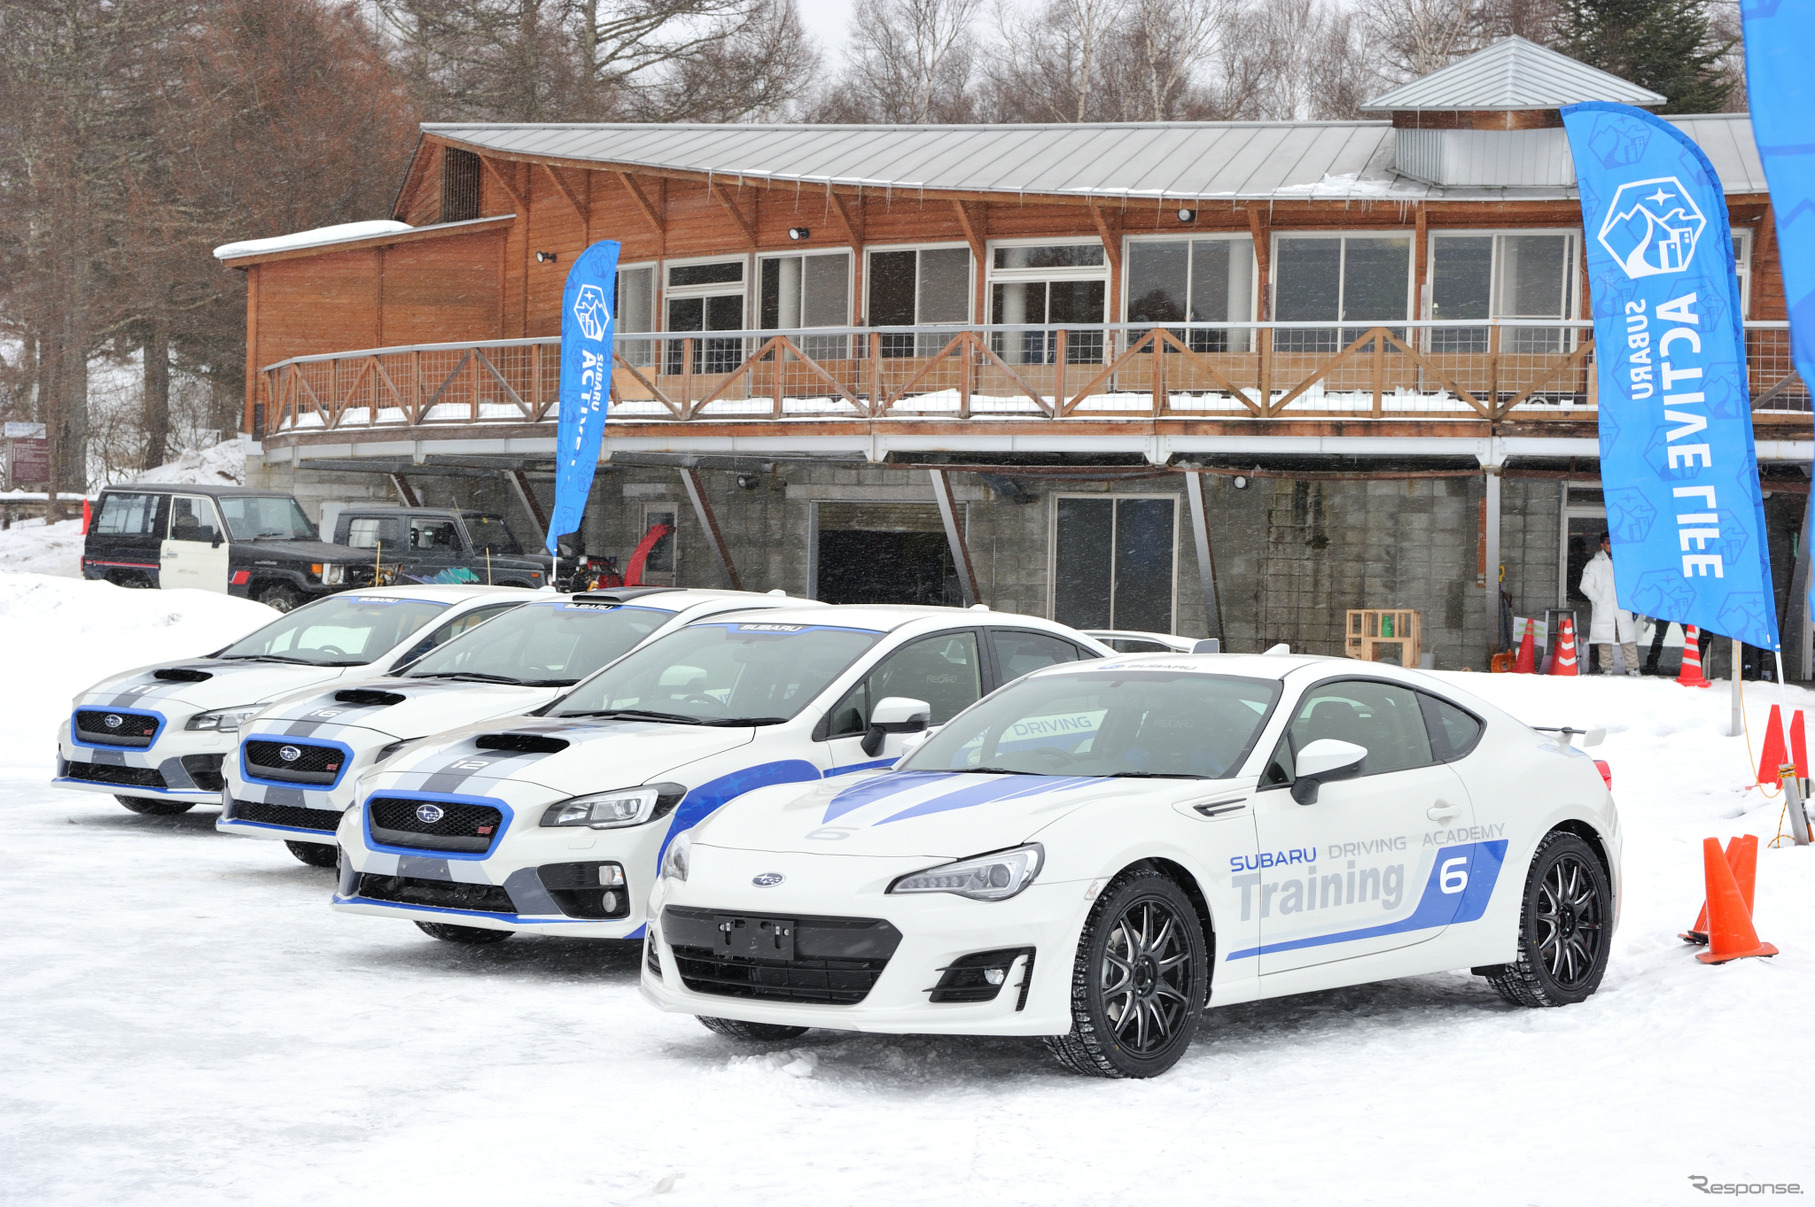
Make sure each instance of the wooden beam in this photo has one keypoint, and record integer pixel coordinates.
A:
(1111, 235)
(730, 203)
(1259, 228)
(954, 536)
(510, 190)
(580, 208)
(1764, 245)
(526, 495)
(973, 217)
(404, 491)
(650, 213)
(1421, 245)
(853, 226)
(690, 478)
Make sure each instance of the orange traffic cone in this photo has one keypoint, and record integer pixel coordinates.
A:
(1565, 662)
(1742, 860)
(1730, 932)
(87, 517)
(1799, 746)
(1528, 658)
(1773, 756)
(1691, 674)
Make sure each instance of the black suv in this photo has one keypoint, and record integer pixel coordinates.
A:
(255, 543)
(443, 545)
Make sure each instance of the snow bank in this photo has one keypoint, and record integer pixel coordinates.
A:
(60, 636)
(35, 547)
(341, 233)
(224, 464)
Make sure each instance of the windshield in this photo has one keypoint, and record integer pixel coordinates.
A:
(491, 533)
(546, 645)
(266, 517)
(722, 674)
(341, 630)
(1125, 722)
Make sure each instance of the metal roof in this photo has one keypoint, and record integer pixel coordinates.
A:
(1236, 161)
(1513, 74)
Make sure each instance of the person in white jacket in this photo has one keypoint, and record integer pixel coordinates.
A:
(1610, 622)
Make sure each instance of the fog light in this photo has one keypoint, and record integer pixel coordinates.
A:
(611, 901)
(995, 976)
(979, 976)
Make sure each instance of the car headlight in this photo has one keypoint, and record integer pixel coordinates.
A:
(677, 858)
(993, 877)
(225, 720)
(619, 807)
(333, 574)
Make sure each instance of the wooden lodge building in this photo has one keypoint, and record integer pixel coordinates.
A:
(1219, 378)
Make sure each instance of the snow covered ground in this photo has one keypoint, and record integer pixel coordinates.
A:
(188, 1022)
(35, 547)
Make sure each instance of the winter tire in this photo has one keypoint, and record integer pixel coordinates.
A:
(1564, 927)
(733, 1028)
(279, 596)
(474, 935)
(319, 855)
(155, 808)
(1139, 982)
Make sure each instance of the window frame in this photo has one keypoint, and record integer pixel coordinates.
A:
(1341, 322)
(822, 729)
(994, 276)
(1052, 548)
(850, 300)
(1129, 241)
(993, 661)
(970, 284)
(1480, 725)
(1742, 266)
(1261, 784)
(220, 521)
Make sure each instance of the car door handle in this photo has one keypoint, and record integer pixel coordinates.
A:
(1442, 811)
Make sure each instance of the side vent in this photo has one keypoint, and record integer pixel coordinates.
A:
(368, 697)
(521, 743)
(181, 674)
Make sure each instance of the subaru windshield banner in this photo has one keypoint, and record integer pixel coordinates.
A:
(1678, 468)
(1780, 88)
(586, 329)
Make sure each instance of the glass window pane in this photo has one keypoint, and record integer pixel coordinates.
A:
(1453, 732)
(1158, 276)
(892, 288)
(945, 285)
(1051, 255)
(1534, 276)
(1019, 652)
(1143, 565)
(636, 299)
(1374, 279)
(192, 519)
(826, 291)
(1083, 548)
(769, 292)
(1307, 280)
(127, 515)
(1074, 302)
(1222, 289)
(942, 670)
(729, 272)
(1461, 276)
(1384, 718)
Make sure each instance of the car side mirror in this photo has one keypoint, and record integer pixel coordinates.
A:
(1325, 760)
(895, 714)
(217, 540)
(1209, 645)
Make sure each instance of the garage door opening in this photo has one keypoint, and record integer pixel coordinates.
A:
(893, 553)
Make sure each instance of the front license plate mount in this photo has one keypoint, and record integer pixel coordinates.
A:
(746, 938)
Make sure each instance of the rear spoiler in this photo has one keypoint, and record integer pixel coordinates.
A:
(1566, 735)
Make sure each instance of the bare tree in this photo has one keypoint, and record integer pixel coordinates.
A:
(1169, 43)
(1413, 38)
(909, 61)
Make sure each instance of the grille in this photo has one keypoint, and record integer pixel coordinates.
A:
(205, 770)
(106, 773)
(295, 816)
(443, 894)
(133, 729)
(837, 960)
(313, 764)
(461, 827)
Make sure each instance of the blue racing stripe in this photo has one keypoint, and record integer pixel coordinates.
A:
(1006, 788)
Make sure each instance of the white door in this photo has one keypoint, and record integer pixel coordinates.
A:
(194, 553)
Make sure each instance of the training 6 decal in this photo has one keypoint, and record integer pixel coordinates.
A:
(1461, 881)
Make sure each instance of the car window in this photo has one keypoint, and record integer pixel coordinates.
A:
(341, 630)
(463, 623)
(127, 515)
(1135, 645)
(431, 536)
(1453, 731)
(266, 517)
(724, 672)
(192, 519)
(367, 531)
(491, 532)
(943, 670)
(1383, 717)
(552, 644)
(1109, 722)
(1020, 652)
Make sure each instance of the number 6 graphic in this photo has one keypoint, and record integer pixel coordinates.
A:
(1453, 877)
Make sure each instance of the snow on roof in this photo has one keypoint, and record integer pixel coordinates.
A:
(341, 233)
(1513, 74)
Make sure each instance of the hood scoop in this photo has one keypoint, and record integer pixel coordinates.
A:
(368, 697)
(181, 674)
(521, 743)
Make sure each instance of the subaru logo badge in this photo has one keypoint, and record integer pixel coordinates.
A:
(767, 879)
(429, 814)
(289, 754)
(112, 721)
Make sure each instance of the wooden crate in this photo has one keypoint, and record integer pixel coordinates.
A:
(1385, 635)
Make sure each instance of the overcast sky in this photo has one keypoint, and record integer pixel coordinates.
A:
(827, 21)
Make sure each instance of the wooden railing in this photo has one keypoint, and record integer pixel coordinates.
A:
(1528, 371)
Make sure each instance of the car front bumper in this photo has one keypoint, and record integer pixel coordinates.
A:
(1041, 925)
(181, 764)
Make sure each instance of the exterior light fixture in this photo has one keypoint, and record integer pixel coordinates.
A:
(798, 233)
(547, 257)
(1186, 214)
(1241, 483)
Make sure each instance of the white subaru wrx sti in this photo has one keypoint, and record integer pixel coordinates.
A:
(1098, 851)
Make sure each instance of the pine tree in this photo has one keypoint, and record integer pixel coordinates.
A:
(1664, 45)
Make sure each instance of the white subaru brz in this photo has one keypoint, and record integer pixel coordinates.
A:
(1095, 853)
(155, 738)
(296, 766)
(556, 823)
